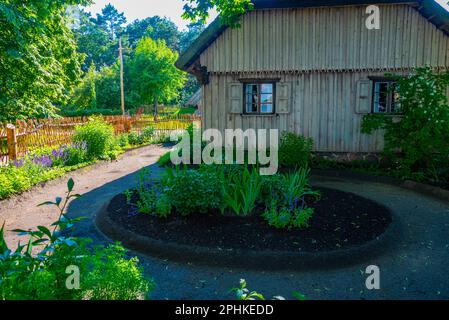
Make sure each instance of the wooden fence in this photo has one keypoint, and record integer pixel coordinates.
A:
(22, 137)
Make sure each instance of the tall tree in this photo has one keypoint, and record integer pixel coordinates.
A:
(38, 59)
(153, 73)
(94, 42)
(156, 28)
(111, 21)
(194, 29)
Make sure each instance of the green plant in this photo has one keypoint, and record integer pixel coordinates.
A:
(163, 206)
(294, 150)
(133, 138)
(243, 293)
(105, 273)
(193, 191)
(288, 217)
(417, 141)
(98, 135)
(164, 159)
(147, 195)
(286, 198)
(122, 140)
(146, 135)
(242, 190)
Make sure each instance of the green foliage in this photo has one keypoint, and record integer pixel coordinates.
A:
(243, 293)
(194, 191)
(105, 273)
(14, 180)
(89, 112)
(285, 198)
(85, 95)
(99, 136)
(123, 140)
(163, 206)
(286, 218)
(242, 190)
(156, 28)
(133, 138)
(418, 141)
(38, 59)
(294, 150)
(153, 73)
(146, 135)
(164, 159)
(228, 10)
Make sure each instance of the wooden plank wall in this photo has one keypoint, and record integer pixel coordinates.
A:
(323, 108)
(325, 39)
(322, 52)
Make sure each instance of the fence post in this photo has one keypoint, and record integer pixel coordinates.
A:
(11, 137)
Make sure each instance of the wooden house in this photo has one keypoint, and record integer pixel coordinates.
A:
(314, 67)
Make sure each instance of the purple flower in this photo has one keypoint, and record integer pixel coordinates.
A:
(18, 163)
(44, 161)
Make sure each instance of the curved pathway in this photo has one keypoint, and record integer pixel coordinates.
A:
(415, 269)
(21, 211)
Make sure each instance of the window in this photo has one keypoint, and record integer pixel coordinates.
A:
(386, 97)
(259, 98)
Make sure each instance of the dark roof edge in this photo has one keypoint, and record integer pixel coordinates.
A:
(430, 9)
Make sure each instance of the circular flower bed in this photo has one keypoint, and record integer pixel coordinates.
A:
(341, 220)
(233, 216)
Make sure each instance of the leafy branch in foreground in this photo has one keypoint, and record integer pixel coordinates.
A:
(244, 294)
(228, 10)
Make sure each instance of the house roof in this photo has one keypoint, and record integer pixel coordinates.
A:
(430, 9)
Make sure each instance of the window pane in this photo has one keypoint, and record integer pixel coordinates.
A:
(266, 108)
(395, 104)
(266, 88)
(266, 98)
(251, 89)
(381, 97)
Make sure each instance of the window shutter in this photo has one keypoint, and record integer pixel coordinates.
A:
(236, 97)
(364, 96)
(283, 97)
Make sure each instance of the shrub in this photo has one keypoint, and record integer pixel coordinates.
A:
(98, 135)
(163, 206)
(193, 191)
(418, 142)
(133, 138)
(146, 135)
(286, 200)
(123, 140)
(294, 150)
(105, 273)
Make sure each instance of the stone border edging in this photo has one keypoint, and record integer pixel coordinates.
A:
(248, 259)
(422, 188)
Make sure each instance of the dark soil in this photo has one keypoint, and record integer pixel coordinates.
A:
(341, 220)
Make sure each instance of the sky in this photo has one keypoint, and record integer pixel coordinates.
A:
(140, 9)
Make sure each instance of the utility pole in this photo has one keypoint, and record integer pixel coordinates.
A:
(122, 91)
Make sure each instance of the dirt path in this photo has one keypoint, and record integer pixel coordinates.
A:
(21, 211)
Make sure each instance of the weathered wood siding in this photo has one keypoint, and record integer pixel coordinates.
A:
(323, 109)
(328, 39)
(322, 53)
